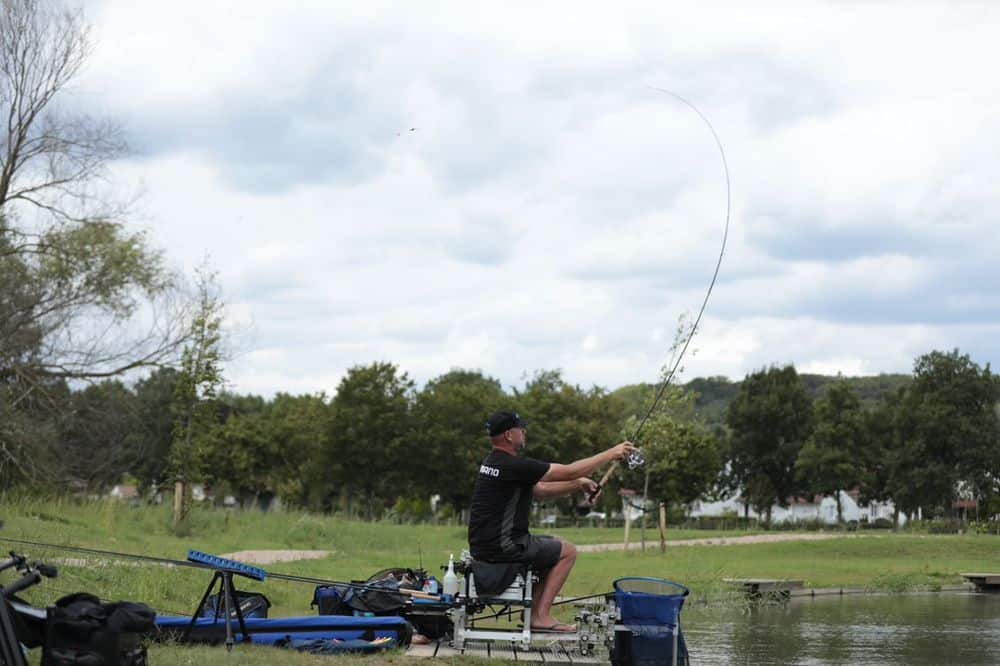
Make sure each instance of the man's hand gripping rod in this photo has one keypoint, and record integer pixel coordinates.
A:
(633, 460)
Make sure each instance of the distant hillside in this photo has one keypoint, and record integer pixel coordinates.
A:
(715, 393)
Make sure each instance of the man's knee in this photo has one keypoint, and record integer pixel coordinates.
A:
(568, 551)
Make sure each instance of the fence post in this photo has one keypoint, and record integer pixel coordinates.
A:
(663, 527)
(181, 501)
(628, 524)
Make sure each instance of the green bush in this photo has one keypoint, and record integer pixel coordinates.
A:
(409, 510)
(446, 513)
(877, 524)
(937, 526)
(719, 523)
(811, 525)
(984, 527)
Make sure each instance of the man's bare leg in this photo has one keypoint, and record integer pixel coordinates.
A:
(541, 607)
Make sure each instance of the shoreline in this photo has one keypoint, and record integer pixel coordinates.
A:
(736, 599)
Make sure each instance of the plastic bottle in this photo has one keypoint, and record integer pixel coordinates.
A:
(450, 581)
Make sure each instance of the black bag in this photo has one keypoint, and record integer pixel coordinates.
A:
(80, 630)
(351, 600)
(329, 600)
(252, 604)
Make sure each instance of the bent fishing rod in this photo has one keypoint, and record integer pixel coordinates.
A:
(635, 459)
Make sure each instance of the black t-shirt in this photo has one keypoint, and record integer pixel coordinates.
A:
(501, 502)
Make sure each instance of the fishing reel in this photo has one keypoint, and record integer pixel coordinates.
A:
(634, 460)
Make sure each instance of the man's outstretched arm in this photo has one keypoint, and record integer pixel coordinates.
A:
(585, 466)
(545, 489)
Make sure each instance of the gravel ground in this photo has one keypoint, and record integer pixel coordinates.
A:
(273, 556)
(718, 541)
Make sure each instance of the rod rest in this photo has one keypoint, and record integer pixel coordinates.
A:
(223, 564)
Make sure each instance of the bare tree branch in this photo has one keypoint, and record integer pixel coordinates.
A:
(81, 297)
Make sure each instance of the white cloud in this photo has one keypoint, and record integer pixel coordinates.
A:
(550, 209)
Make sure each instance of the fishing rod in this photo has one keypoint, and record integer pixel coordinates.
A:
(669, 374)
(196, 565)
(718, 264)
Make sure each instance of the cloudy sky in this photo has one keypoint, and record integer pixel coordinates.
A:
(500, 187)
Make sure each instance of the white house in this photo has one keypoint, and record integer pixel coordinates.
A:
(802, 509)
(124, 492)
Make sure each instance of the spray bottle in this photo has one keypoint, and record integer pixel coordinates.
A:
(450, 582)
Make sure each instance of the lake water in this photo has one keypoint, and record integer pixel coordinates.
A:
(946, 628)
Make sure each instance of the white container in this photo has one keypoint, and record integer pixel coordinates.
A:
(449, 585)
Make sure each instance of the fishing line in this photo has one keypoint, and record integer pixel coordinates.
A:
(669, 374)
(195, 565)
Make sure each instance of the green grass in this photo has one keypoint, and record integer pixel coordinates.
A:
(883, 562)
(890, 563)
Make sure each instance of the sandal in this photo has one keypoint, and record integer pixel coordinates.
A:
(556, 628)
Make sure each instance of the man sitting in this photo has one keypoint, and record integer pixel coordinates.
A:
(506, 485)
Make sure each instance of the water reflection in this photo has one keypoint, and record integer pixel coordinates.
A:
(879, 629)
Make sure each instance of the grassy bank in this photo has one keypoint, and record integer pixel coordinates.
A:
(357, 549)
(884, 561)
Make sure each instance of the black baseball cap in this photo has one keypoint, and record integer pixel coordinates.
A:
(501, 422)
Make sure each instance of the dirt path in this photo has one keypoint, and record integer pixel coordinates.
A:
(244, 556)
(717, 541)
(273, 556)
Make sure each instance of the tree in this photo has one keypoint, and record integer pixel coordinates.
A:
(76, 285)
(76, 261)
(713, 395)
(947, 433)
(367, 450)
(448, 419)
(832, 458)
(94, 436)
(29, 433)
(199, 381)
(880, 434)
(152, 430)
(241, 455)
(566, 421)
(49, 158)
(300, 428)
(769, 420)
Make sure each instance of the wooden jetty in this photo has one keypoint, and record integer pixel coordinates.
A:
(984, 582)
(755, 588)
(557, 652)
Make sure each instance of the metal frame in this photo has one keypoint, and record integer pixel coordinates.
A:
(518, 594)
(230, 603)
(11, 653)
(591, 633)
(10, 647)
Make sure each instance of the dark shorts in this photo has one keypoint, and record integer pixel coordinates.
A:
(541, 552)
